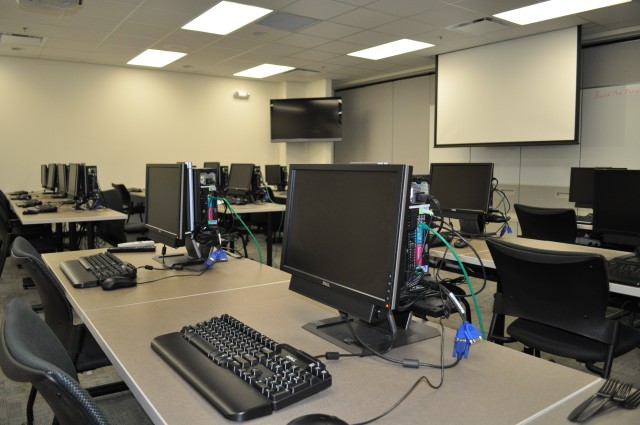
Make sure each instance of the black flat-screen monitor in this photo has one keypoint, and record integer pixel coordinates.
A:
(52, 177)
(276, 175)
(63, 179)
(76, 181)
(240, 178)
(170, 210)
(616, 207)
(43, 175)
(344, 246)
(581, 185)
(463, 191)
(306, 119)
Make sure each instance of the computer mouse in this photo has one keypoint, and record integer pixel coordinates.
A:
(459, 243)
(317, 419)
(117, 282)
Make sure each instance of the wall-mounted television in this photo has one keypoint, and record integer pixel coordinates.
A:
(314, 119)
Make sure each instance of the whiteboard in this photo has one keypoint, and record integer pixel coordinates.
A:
(610, 129)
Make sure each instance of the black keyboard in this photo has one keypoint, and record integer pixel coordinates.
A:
(91, 270)
(624, 271)
(241, 372)
(47, 208)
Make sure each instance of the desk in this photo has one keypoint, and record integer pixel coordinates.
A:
(494, 385)
(67, 214)
(260, 208)
(467, 256)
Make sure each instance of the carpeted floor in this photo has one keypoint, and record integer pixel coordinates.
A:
(14, 395)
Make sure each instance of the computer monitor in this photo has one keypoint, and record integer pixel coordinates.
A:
(344, 246)
(52, 177)
(43, 175)
(463, 191)
(276, 175)
(581, 185)
(76, 181)
(170, 212)
(63, 179)
(240, 178)
(616, 207)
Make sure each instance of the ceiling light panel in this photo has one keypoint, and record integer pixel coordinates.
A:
(226, 17)
(156, 58)
(553, 9)
(264, 70)
(391, 49)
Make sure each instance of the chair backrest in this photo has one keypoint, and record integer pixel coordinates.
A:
(30, 352)
(567, 290)
(549, 224)
(112, 231)
(58, 312)
(125, 196)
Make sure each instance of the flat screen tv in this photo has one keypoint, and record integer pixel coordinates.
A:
(316, 119)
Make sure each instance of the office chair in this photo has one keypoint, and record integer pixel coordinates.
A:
(82, 348)
(41, 236)
(114, 199)
(128, 206)
(30, 352)
(559, 300)
(549, 224)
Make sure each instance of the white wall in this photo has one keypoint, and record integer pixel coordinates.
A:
(122, 118)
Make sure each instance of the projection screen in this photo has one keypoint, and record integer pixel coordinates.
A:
(516, 92)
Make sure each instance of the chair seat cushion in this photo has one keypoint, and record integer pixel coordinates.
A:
(555, 341)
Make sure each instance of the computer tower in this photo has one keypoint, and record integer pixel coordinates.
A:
(415, 255)
(92, 190)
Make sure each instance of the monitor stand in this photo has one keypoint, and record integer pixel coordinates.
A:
(377, 336)
(192, 257)
(472, 226)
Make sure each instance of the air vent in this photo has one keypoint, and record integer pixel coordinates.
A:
(480, 26)
(50, 4)
(21, 40)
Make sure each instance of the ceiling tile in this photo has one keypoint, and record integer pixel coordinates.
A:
(325, 9)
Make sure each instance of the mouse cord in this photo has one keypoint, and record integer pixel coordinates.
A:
(415, 385)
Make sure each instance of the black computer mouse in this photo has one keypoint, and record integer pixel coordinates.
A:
(317, 419)
(117, 282)
(459, 243)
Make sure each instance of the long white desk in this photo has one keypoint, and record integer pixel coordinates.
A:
(494, 385)
(66, 214)
(467, 256)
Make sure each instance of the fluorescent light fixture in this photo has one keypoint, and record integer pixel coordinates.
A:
(264, 70)
(553, 9)
(155, 58)
(226, 17)
(391, 49)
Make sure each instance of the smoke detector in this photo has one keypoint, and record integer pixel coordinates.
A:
(50, 4)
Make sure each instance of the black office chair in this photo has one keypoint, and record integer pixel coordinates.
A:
(128, 206)
(559, 300)
(30, 352)
(114, 200)
(549, 224)
(41, 236)
(82, 348)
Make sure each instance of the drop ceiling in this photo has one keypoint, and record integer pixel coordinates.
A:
(314, 36)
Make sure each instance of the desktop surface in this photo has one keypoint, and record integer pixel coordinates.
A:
(498, 385)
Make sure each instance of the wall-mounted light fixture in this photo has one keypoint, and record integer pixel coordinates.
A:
(241, 94)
